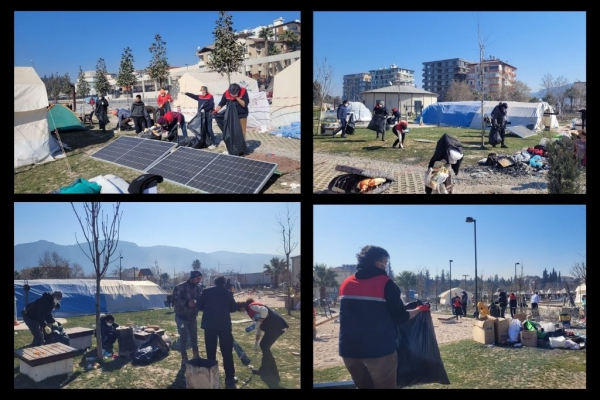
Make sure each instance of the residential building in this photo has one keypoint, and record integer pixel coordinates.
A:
(497, 77)
(355, 84)
(439, 75)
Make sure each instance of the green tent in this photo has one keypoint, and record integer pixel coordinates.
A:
(63, 119)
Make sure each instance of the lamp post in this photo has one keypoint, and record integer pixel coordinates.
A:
(474, 221)
(120, 269)
(450, 278)
(516, 275)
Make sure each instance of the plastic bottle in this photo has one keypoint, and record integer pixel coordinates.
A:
(251, 328)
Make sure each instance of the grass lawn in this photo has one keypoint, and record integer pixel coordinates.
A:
(166, 373)
(472, 365)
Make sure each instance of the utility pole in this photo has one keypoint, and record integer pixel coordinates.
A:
(466, 276)
(120, 268)
(134, 273)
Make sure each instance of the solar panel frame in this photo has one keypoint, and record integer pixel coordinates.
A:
(135, 153)
(214, 172)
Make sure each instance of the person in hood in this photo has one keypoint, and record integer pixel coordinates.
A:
(102, 112)
(380, 112)
(236, 96)
(108, 330)
(370, 310)
(499, 121)
(448, 154)
(37, 315)
(185, 296)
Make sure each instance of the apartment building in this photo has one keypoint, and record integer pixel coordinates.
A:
(497, 76)
(439, 75)
(355, 84)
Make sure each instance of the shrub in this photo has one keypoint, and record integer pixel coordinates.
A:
(566, 173)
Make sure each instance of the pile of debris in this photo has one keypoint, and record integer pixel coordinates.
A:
(517, 165)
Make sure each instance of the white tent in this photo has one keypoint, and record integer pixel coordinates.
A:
(79, 295)
(259, 117)
(285, 105)
(448, 294)
(361, 112)
(579, 292)
(33, 142)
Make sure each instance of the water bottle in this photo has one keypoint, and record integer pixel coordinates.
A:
(251, 328)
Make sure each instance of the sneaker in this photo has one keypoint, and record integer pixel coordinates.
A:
(211, 147)
(504, 146)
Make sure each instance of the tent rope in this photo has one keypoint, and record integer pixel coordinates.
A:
(62, 148)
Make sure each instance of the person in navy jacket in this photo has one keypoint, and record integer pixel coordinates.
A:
(342, 114)
(206, 104)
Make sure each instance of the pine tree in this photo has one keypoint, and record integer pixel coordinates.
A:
(159, 65)
(101, 85)
(126, 77)
(228, 55)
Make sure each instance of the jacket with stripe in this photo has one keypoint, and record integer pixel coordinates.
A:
(370, 310)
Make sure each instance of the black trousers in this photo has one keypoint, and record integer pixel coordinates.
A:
(35, 328)
(225, 340)
(342, 128)
(399, 139)
(268, 367)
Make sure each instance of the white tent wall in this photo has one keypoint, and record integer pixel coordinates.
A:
(121, 296)
(285, 105)
(361, 112)
(579, 292)
(259, 117)
(518, 113)
(33, 142)
(448, 294)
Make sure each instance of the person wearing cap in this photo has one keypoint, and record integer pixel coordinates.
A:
(342, 115)
(163, 100)
(237, 96)
(169, 123)
(185, 296)
(499, 122)
(371, 310)
(37, 315)
(108, 330)
(217, 303)
(464, 299)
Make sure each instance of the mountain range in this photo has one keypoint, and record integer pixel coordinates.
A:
(168, 258)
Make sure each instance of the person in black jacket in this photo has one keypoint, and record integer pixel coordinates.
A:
(206, 104)
(342, 114)
(380, 112)
(37, 315)
(139, 114)
(273, 325)
(499, 122)
(448, 151)
(217, 304)
(502, 302)
(102, 112)
(185, 297)
(108, 330)
(464, 299)
(237, 96)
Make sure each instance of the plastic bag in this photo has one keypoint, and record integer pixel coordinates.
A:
(419, 359)
(152, 349)
(514, 329)
(233, 136)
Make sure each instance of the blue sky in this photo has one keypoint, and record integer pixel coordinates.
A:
(428, 236)
(203, 227)
(61, 41)
(536, 43)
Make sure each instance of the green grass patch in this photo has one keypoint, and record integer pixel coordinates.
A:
(166, 373)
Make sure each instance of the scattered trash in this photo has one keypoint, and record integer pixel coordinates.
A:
(517, 345)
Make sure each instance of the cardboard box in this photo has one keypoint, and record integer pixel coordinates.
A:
(529, 338)
(483, 332)
(501, 330)
(521, 317)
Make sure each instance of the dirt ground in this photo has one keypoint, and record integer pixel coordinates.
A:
(289, 179)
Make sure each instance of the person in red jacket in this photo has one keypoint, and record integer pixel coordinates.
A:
(169, 123)
(164, 101)
(237, 96)
(400, 131)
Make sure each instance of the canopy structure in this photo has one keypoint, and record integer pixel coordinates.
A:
(448, 294)
(79, 295)
(467, 114)
(63, 119)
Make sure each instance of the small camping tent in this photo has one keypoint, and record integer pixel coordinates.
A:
(361, 112)
(79, 295)
(467, 114)
(259, 117)
(33, 142)
(579, 292)
(448, 294)
(285, 105)
(63, 119)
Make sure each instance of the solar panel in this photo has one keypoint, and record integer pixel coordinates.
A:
(211, 172)
(133, 152)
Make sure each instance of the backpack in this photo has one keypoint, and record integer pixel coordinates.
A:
(457, 302)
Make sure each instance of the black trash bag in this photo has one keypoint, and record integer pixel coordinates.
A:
(154, 348)
(494, 137)
(442, 149)
(377, 123)
(349, 183)
(419, 359)
(233, 136)
(198, 127)
(57, 335)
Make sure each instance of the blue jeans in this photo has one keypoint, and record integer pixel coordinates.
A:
(186, 330)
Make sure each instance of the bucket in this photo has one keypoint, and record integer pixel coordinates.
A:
(201, 373)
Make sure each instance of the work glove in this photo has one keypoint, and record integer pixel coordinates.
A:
(256, 346)
(423, 308)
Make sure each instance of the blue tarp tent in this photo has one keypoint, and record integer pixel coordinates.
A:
(467, 114)
(79, 295)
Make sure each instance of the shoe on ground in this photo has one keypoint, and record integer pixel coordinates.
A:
(211, 147)
(504, 146)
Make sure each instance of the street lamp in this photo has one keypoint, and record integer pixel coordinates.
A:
(474, 221)
(516, 275)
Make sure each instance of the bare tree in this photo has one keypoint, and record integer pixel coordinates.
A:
(459, 91)
(519, 91)
(481, 44)
(578, 271)
(286, 226)
(102, 236)
(323, 83)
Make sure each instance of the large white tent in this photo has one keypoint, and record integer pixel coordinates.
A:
(33, 142)
(448, 294)
(579, 292)
(259, 117)
(79, 295)
(285, 105)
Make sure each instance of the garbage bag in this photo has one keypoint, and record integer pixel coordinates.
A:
(495, 137)
(154, 348)
(197, 126)
(233, 136)
(377, 123)
(419, 359)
